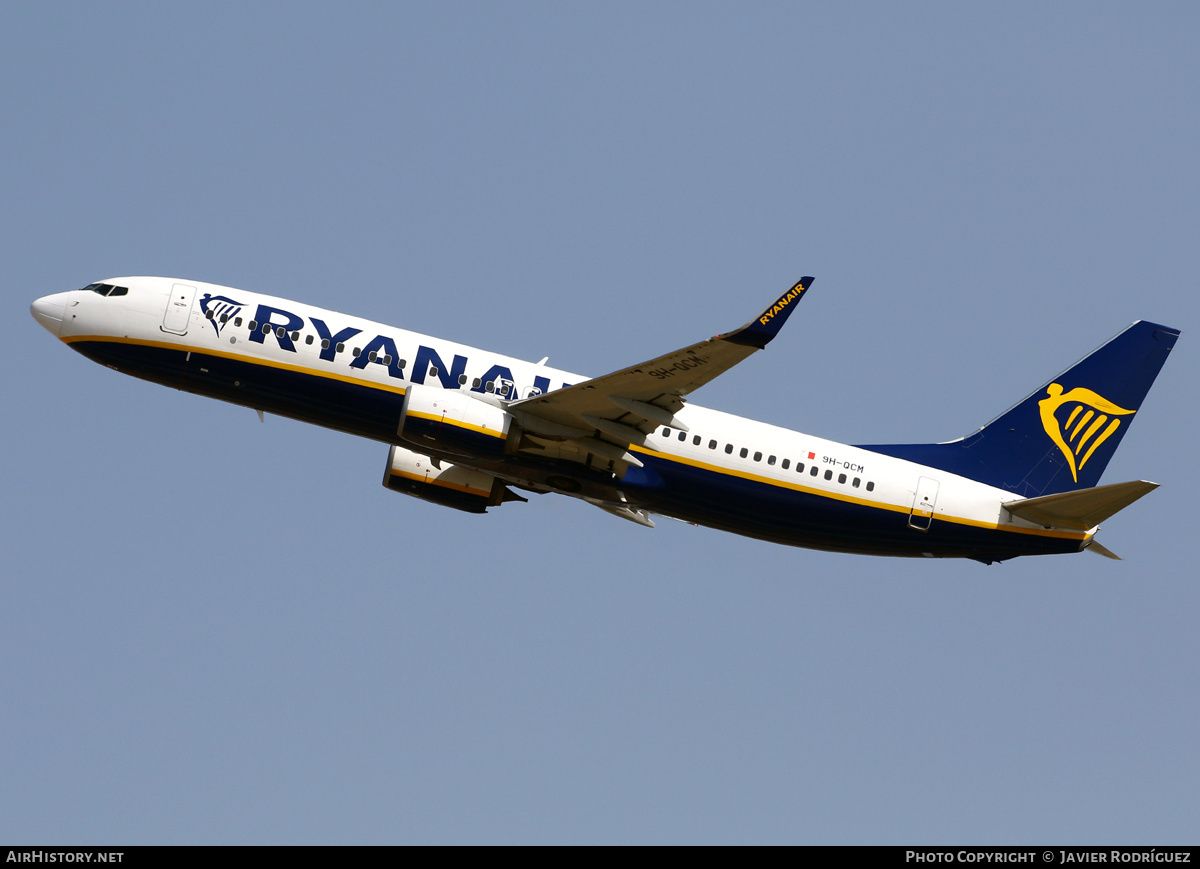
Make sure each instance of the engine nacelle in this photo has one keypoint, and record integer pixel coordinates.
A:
(461, 488)
(449, 421)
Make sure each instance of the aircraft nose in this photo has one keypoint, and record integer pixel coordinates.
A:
(50, 311)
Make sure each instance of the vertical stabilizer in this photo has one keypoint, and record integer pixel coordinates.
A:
(1062, 436)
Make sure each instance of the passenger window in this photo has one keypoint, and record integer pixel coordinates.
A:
(504, 387)
(743, 452)
(340, 348)
(372, 356)
(279, 333)
(308, 339)
(357, 351)
(712, 445)
(295, 336)
(208, 315)
(814, 471)
(253, 325)
(799, 467)
(828, 475)
(696, 440)
(403, 362)
(771, 460)
(870, 487)
(841, 478)
(237, 321)
(758, 457)
(729, 448)
(666, 432)
(785, 464)
(462, 379)
(224, 319)
(491, 387)
(683, 436)
(474, 383)
(267, 328)
(856, 481)
(433, 371)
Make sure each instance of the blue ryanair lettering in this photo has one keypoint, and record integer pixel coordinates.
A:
(328, 353)
(427, 356)
(496, 371)
(266, 314)
(384, 349)
(541, 384)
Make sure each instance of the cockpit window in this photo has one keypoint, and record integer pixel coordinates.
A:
(106, 289)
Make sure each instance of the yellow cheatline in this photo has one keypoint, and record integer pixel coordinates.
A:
(329, 375)
(242, 357)
(475, 428)
(441, 485)
(850, 499)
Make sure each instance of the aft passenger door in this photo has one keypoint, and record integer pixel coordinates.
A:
(924, 501)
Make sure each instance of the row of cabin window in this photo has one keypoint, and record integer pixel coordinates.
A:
(785, 464)
(341, 348)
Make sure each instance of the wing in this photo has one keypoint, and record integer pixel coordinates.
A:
(606, 414)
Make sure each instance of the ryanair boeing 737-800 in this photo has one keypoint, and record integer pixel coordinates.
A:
(468, 428)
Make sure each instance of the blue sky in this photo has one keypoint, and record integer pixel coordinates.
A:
(217, 630)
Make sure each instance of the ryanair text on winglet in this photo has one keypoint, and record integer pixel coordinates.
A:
(784, 300)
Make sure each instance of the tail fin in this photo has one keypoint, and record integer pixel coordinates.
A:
(1061, 437)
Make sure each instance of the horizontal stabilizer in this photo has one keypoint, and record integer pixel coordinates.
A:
(1095, 547)
(1082, 509)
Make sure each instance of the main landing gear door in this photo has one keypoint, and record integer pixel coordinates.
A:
(179, 309)
(924, 501)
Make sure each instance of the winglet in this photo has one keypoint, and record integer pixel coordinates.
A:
(759, 331)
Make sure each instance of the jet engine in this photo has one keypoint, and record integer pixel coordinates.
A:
(447, 421)
(448, 485)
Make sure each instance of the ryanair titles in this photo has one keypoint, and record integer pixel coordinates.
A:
(781, 303)
(284, 327)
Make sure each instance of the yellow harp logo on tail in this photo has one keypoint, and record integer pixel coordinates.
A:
(1091, 420)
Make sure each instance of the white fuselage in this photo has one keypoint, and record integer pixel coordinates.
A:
(295, 357)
